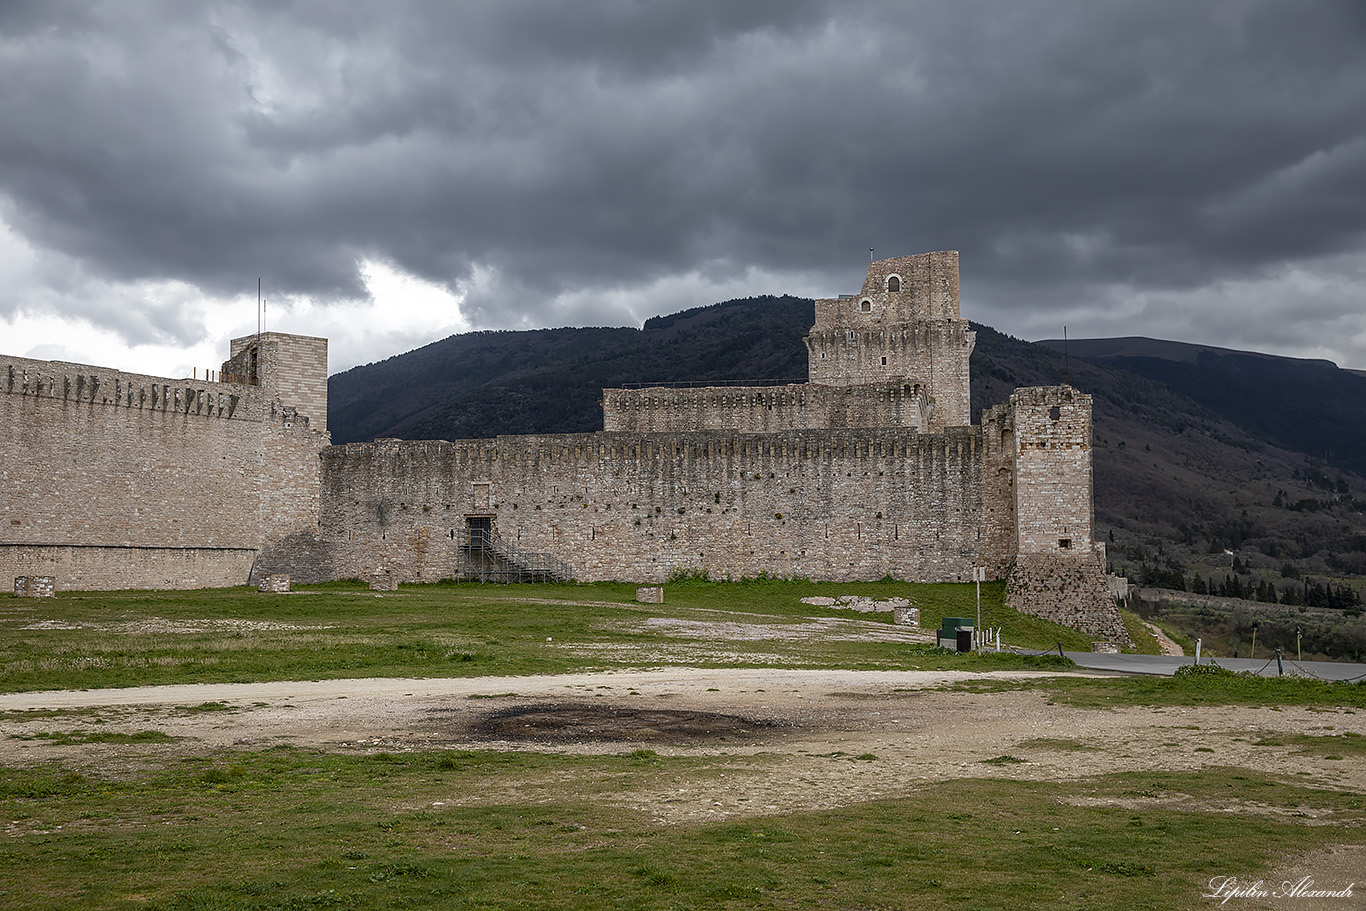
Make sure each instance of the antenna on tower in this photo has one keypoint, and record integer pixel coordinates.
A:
(258, 310)
(1067, 362)
(870, 254)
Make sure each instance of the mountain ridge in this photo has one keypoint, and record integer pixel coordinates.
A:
(1305, 404)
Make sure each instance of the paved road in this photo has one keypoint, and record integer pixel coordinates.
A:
(1167, 665)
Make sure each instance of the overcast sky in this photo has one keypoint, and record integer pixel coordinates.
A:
(397, 172)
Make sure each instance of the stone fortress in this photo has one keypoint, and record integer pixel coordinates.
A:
(871, 469)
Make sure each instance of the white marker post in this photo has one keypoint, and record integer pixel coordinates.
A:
(979, 573)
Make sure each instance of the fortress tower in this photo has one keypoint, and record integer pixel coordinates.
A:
(903, 328)
(1037, 489)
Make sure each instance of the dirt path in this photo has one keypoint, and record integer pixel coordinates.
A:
(1164, 641)
(791, 738)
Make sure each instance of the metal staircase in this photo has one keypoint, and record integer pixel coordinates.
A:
(486, 557)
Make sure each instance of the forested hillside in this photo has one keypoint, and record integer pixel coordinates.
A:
(550, 380)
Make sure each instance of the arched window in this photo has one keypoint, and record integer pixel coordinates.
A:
(894, 284)
(866, 306)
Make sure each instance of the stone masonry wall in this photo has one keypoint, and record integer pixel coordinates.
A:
(117, 480)
(763, 409)
(1059, 570)
(1068, 590)
(91, 567)
(290, 497)
(998, 480)
(932, 354)
(100, 457)
(827, 505)
(904, 326)
(1053, 506)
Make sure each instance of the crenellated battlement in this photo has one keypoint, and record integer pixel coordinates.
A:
(79, 383)
(586, 449)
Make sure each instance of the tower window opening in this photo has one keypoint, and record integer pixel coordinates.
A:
(866, 306)
(894, 284)
(1065, 543)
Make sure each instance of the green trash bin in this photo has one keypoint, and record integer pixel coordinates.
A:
(948, 631)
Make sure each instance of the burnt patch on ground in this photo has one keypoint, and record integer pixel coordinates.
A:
(569, 722)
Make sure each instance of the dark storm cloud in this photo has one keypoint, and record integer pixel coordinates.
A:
(1073, 151)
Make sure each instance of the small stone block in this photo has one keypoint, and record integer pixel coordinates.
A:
(34, 587)
(650, 594)
(275, 582)
(1106, 648)
(906, 616)
(383, 582)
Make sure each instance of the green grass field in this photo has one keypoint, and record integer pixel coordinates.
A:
(288, 829)
(99, 639)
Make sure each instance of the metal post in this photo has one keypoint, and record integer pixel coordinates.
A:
(1197, 650)
(1280, 671)
(977, 577)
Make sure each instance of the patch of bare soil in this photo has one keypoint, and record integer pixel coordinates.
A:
(769, 740)
(776, 739)
(579, 722)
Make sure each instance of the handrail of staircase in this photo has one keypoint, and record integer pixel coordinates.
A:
(531, 562)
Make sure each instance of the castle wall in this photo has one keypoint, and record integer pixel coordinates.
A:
(827, 505)
(92, 567)
(998, 481)
(763, 409)
(117, 480)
